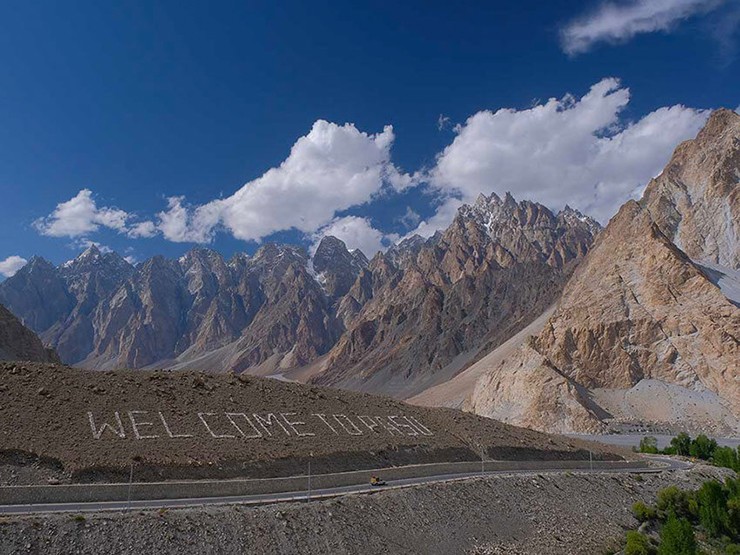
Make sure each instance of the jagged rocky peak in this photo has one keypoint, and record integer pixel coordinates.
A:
(95, 272)
(335, 267)
(89, 256)
(360, 258)
(271, 254)
(37, 294)
(158, 269)
(333, 252)
(93, 257)
(495, 214)
(205, 269)
(200, 260)
(573, 217)
(521, 231)
(238, 262)
(200, 255)
(406, 250)
(37, 264)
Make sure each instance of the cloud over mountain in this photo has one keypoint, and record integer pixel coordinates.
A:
(576, 151)
(569, 150)
(80, 216)
(357, 233)
(332, 168)
(11, 265)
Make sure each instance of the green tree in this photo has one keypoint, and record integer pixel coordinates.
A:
(681, 444)
(643, 512)
(649, 444)
(713, 514)
(637, 544)
(732, 486)
(702, 447)
(726, 457)
(674, 500)
(677, 537)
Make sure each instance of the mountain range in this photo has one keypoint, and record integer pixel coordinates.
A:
(407, 317)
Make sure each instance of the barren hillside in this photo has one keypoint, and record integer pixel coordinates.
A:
(182, 424)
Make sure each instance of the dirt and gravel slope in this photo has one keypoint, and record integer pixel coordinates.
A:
(543, 514)
(455, 392)
(190, 425)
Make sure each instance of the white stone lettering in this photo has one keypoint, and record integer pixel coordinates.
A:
(169, 430)
(97, 433)
(388, 425)
(340, 417)
(293, 423)
(419, 426)
(202, 416)
(322, 417)
(135, 425)
(369, 423)
(252, 425)
(269, 420)
(231, 415)
(412, 431)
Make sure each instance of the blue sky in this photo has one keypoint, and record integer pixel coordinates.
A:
(151, 127)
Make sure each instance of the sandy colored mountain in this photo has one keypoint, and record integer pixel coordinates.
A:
(648, 328)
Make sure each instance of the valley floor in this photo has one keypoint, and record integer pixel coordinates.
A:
(533, 513)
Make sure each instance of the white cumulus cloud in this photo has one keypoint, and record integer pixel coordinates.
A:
(574, 151)
(186, 225)
(357, 233)
(332, 168)
(615, 22)
(143, 229)
(11, 265)
(80, 216)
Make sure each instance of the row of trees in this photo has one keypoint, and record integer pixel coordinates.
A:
(701, 447)
(711, 513)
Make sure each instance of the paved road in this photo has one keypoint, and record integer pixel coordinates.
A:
(263, 499)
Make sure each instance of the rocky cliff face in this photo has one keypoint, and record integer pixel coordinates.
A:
(336, 268)
(641, 309)
(17, 342)
(429, 307)
(695, 202)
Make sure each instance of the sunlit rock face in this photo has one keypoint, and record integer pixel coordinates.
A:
(653, 300)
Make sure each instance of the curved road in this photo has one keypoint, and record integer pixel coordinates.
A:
(263, 499)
